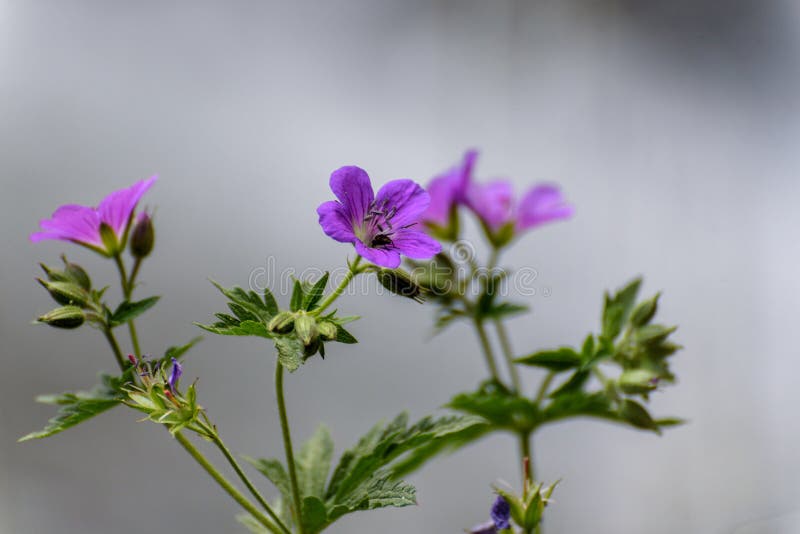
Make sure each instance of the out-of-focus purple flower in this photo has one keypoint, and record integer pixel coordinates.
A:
(501, 513)
(484, 528)
(86, 225)
(381, 226)
(448, 190)
(494, 203)
(175, 374)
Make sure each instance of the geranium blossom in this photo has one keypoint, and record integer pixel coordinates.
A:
(494, 203)
(382, 226)
(449, 190)
(85, 225)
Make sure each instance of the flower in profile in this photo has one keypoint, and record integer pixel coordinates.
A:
(501, 513)
(175, 374)
(503, 217)
(447, 191)
(382, 226)
(501, 518)
(103, 229)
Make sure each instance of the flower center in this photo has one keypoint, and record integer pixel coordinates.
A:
(376, 230)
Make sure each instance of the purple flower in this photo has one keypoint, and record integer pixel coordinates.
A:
(86, 225)
(449, 190)
(175, 374)
(501, 513)
(380, 226)
(495, 205)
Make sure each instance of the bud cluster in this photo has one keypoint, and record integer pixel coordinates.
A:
(310, 330)
(72, 288)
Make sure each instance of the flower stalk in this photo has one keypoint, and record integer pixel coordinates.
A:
(287, 446)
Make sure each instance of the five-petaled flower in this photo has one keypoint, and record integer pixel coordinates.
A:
(501, 513)
(382, 226)
(103, 229)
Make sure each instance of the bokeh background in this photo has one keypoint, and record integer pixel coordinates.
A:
(672, 126)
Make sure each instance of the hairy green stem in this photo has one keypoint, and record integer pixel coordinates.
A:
(508, 353)
(487, 349)
(548, 379)
(127, 290)
(287, 446)
(115, 347)
(251, 488)
(336, 293)
(527, 459)
(227, 486)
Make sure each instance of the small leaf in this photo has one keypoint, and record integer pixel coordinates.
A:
(636, 414)
(644, 311)
(179, 350)
(314, 463)
(343, 336)
(290, 352)
(80, 406)
(127, 310)
(275, 473)
(504, 310)
(270, 304)
(314, 516)
(557, 360)
(297, 296)
(315, 293)
(245, 328)
(618, 308)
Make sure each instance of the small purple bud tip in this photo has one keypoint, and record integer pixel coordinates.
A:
(501, 513)
(132, 359)
(175, 375)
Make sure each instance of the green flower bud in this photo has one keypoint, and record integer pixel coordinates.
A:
(142, 236)
(283, 323)
(64, 317)
(66, 292)
(77, 273)
(305, 326)
(327, 330)
(400, 283)
(637, 381)
(645, 311)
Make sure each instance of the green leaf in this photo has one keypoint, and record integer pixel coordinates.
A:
(504, 310)
(127, 310)
(575, 383)
(290, 352)
(179, 350)
(556, 360)
(636, 414)
(298, 296)
(80, 406)
(257, 308)
(343, 336)
(579, 404)
(275, 473)
(380, 491)
(315, 293)
(314, 463)
(618, 308)
(499, 406)
(231, 327)
(270, 304)
(314, 516)
(644, 311)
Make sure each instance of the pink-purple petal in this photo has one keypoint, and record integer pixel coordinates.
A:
(492, 202)
(416, 245)
(406, 197)
(353, 188)
(389, 258)
(71, 222)
(542, 204)
(115, 210)
(335, 221)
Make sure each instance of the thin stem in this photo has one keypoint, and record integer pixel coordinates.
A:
(127, 290)
(115, 347)
(134, 273)
(331, 298)
(227, 486)
(505, 345)
(548, 379)
(527, 459)
(487, 349)
(287, 446)
(253, 490)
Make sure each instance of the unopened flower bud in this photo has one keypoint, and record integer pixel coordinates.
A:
(64, 317)
(327, 330)
(305, 326)
(400, 283)
(283, 323)
(66, 292)
(312, 348)
(637, 381)
(142, 236)
(77, 273)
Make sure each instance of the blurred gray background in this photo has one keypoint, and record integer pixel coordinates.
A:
(671, 125)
